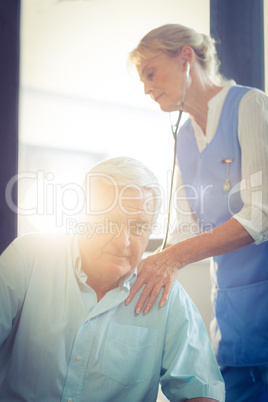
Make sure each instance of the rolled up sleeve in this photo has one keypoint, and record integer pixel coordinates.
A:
(253, 138)
(189, 368)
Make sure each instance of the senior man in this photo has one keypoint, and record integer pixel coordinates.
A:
(66, 333)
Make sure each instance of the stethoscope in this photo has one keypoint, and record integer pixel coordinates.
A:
(174, 129)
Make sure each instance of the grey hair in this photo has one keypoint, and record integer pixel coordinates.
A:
(126, 171)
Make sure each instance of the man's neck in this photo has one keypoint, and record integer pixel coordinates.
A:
(101, 288)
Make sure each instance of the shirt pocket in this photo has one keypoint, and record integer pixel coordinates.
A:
(129, 354)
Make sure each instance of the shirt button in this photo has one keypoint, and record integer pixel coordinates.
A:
(78, 358)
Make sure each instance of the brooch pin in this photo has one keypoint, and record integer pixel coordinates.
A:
(227, 184)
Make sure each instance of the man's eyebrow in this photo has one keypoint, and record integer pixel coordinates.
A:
(142, 220)
(112, 216)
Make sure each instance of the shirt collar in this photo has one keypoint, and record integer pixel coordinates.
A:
(80, 274)
(128, 280)
(220, 97)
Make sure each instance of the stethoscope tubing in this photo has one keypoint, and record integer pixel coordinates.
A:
(175, 130)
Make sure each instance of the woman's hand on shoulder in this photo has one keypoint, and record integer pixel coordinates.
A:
(155, 272)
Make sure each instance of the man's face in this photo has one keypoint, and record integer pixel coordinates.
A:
(118, 231)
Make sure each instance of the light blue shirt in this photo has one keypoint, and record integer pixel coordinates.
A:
(58, 344)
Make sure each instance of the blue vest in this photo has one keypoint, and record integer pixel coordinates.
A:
(239, 327)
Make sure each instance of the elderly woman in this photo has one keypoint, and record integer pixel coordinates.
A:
(222, 172)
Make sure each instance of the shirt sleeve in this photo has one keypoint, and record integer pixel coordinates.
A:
(189, 367)
(253, 137)
(13, 285)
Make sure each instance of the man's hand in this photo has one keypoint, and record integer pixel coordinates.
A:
(157, 271)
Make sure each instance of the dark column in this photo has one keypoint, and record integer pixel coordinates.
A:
(9, 89)
(238, 27)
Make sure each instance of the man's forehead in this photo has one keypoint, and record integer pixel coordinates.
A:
(127, 199)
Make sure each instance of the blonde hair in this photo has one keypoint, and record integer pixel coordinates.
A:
(170, 39)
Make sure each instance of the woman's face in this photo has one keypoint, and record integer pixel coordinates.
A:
(164, 79)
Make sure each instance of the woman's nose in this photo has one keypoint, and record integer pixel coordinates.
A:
(147, 88)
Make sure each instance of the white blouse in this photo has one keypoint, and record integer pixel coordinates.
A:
(253, 138)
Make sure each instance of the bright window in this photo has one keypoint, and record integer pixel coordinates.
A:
(79, 102)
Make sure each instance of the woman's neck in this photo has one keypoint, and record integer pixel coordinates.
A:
(200, 92)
